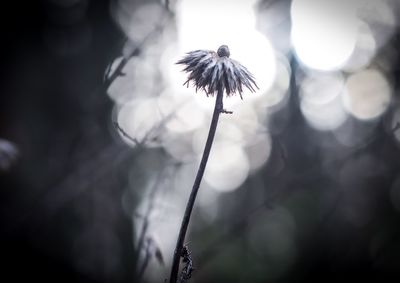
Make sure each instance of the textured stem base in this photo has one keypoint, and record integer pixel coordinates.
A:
(218, 109)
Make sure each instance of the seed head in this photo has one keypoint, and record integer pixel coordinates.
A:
(223, 51)
(213, 71)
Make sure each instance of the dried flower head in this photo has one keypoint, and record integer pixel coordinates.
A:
(214, 71)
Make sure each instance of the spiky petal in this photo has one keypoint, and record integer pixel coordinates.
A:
(212, 71)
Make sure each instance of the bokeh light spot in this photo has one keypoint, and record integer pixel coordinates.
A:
(277, 93)
(320, 39)
(182, 114)
(258, 150)
(320, 101)
(227, 167)
(364, 50)
(138, 21)
(368, 94)
(247, 45)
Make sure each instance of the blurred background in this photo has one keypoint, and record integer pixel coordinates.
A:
(100, 141)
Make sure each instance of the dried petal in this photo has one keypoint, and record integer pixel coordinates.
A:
(212, 71)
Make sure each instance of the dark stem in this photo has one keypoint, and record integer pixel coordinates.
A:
(200, 172)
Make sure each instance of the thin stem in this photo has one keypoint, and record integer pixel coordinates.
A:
(200, 172)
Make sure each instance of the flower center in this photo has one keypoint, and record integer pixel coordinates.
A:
(223, 51)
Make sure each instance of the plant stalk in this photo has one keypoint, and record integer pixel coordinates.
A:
(200, 172)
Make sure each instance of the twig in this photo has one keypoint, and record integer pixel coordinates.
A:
(146, 221)
(125, 134)
(110, 78)
(189, 207)
(156, 128)
(145, 263)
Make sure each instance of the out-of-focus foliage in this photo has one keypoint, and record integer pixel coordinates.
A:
(8, 154)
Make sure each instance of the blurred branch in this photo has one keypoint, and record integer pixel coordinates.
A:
(152, 249)
(145, 240)
(110, 77)
(125, 134)
(77, 182)
(146, 221)
(144, 265)
(149, 136)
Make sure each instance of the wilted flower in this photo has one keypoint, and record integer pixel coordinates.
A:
(215, 71)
